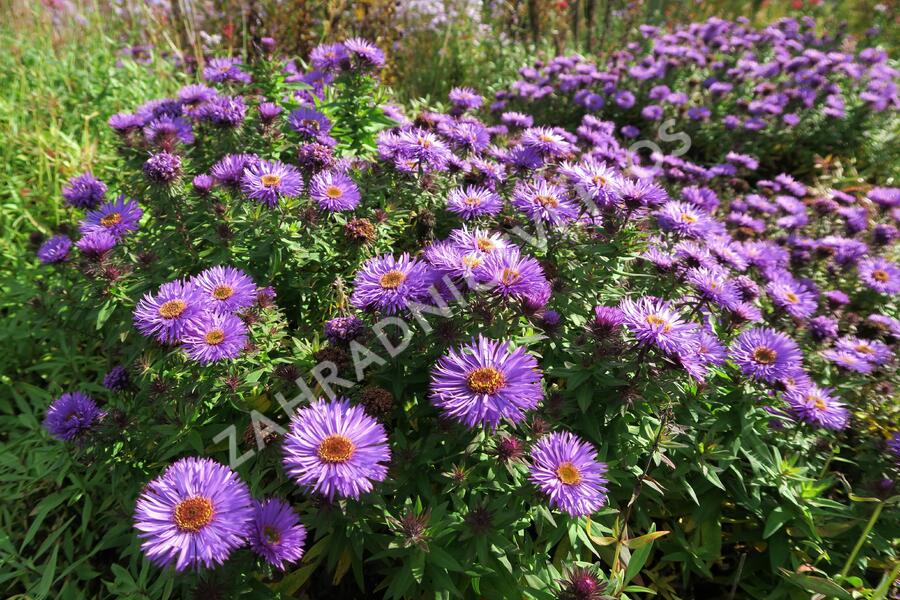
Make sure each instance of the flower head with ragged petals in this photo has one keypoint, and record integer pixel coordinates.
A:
(364, 54)
(683, 219)
(546, 141)
(544, 202)
(713, 285)
(509, 273)
(54, 250)
(226, 289)
(389, 285)
(873, 351)
(796, 299)
(766, 354)
(474, 201)
(655, 322)
(222, 111)
(817, 406)
(566, 469)
(478, 240)
(309, 122)
(449, 259)
(465, 98)
(163, 168)
(211, 337)
(219, 70)
(329, 57)
(96, 244)
(486, 381)
(195, 514)
(270, 181)
(334, 191)
(276, 533)
(336, 449)
(117, 218)
(596, 183)
(165, 314)
(423, 149)
(880, 275)
(230, 168)
(71, 416)
(851, 361)
(166, 132)
(84, 191)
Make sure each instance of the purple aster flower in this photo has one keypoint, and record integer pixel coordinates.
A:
(465, 98)
(230, 168)
(364, 54)
(203, 183)
(517, 119)
(822, 328)
(653, 321)
(766, 354)
(793, 297)
(222, 111)
(268, 111)
(211, 337)
(566, 469)
(595, 183)
(683, 219)
(117, 379)
(194, 95)
(329, 57)
(165, 314)
(116, 218)
(873, 351)
(388, 285)
(546, 141)
(309, 122)
(226, 289)
(276, 533)
(713, 285)
(96, 244)
(474, 201)
(893, 445)
(54, 250)
(544, 202)
(163, 168)
(334, 191)
(836, 299)
(72, 415)
(125, 123)
(84, 191)
(166, 132)
(219, 70)
(423, 149)
(486, 381)
(195, 514)
(478, 240)
(880, 275)
(508, 273)
(341, 330)
(581, 584)
(851, 361)
(607, 321)
(817, 406)
(269, 181)
(886, 197)
(336, 449)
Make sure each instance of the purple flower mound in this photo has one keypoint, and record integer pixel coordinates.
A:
(84, 191)
(163, 168)
(54, 250)
(165, 314)
(818, 407)
(341, 330)
(565, 468)
(474, 201)
(117, 218)
(766, 354)
(276, 533)
(268, 182)
(71, 416)
(213, 337)
(335, 449)
(486, 381)
(334, 191)
(117, 379)
(195, 514)
(227, 289)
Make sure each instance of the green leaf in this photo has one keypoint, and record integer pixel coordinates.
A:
(775, 520)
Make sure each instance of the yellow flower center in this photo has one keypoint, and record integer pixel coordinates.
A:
(864, 349)
(334, 192)
(879, 275)
(471, 261)
(336, 449)
(194, 514)
(472, 200)
(599, 180)
(111, 219)
(270, 180)
(214, 337)
(485, 380)
(764, 356)
(392, 279)
(172, 309)
(509, 276)
(818, 401)
(549, 201)
(657, 320)
(223, 292)
(791, 297)
(568, 473)
(485, 244)
(688, 218)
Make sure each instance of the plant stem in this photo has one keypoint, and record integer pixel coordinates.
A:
(862, 539)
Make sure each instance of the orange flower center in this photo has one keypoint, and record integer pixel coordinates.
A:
(864, 349)
(172, 309)
(214, 337)
(336, 449)
(599, 180)
(472, 200)
(223, 292)
(657, 320)
(392, 279)
(509, 276)
(764, 356)
(194, 514)
(688, 218)
(819, 402)
(334, 192)
(485, 380)
(547, 201)
(270, 180)
(568, 473)
(485, 244)
(111, 219)
(791, 297)
(879, 275)
(471, 261)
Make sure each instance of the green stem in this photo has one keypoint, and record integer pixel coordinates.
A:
(862, 539)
